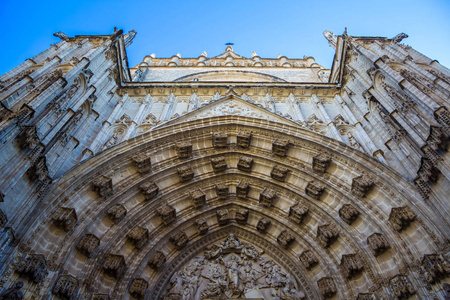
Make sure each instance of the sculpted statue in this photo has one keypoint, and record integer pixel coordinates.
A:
(13, 293)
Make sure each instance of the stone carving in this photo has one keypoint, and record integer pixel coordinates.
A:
(314, 190)
(33, 267)
(13, 293)
(446, 288)
(232, 269)
(138, 288)
(100, 297)
(157, 260)
(367, 296)
(298, 212)
(66, 287)
(88, 244)
(3, 219)
(114, 265)
(378, 244)
(245, 163)
(198, 198)
(138, 236)
(202, 226)
(422, 83)
(435, 267)
(143, 163)
(244, 139)
(399, 37)
(103, 186)
(167, 213)
(39, 169)
(351, 265)
(149, 189)
(267, 196)
(327, 235)
(65, 218)
(279, 173)
(219, 139)
(219, 164)
(263, 224)
(348, 213)
(321, 162)
(184, 149)
(327, 287)
(185, 173)
(223, 217)
(428, 171)
(402, 287)
(222, 191)
(280, 146)
(401, 217)
(241, 216)
(285, 239)
(28, 138)
(309, 259)
(117, 213)
(179, 239)
(362, 185)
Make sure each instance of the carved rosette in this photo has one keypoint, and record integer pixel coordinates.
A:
(66, 287)
(267, 196)
(309, 259)
(198, 198)
(223, 217)
(179, 240)
(157, 260)
(435, 267)
(362, 185)
(117, 213)
(167, 213)
(103, 186)
(219, 164)
(65, 218)
(114, 266)
(202, 226)
(33, 267)
(219, 139)
(378, 244)
(143, 162)
(401, 217)
(327, 287)
(351, 265)
(263, 224)
(138, 288)
(185, 173)
(280, 146)
(149, 189)
(184, 149)
(242, 189)
(88, 244)
(222, 191)
(138, 236)
(241, 216)
(245, 163)
(279, 173)
(327, 235)
(298, 212)
(401, 286)
(348, 213)
(314, 190)
(285, 239)
(244, 139)
(321, 162)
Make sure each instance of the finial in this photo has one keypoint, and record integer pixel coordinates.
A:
(179, 55)
(153, 55)
(229, 48)
(279, 55)
(204, 54)
(254, 54)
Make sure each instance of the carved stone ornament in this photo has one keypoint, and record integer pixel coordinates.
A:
(285, 239)
(138, 288)
(88, 244)
(223, 217)
(202, 226)
(198, 198)
(3, 219)
(244, 139)
(103, 186)
(39, 169)
(219, 164)
(267, 196)
(435, 267)
(143, 163)
(13, 293)
(298, 212)
(245, 163)
(149, 189)
(241, 216)
(114, 265)
(263, 224)
(33, 267)
(309, 259)
(28, 138)
(219, 139)
(242, 189)
(378, 244)
(117, 213)
(185, 173)
(402, 287)
(157, 260)
(367, 296)
(232, 269)
(321, 162)
(314, 190)
(184, 149)
(167, 213)
(401, 217)
(327, 287)
(327, 235)
(138, 236)
(362, 185)
(179, 239)
(351, 265)
(348, 213)
(100, 297)
(279, 173)
(280, 146)
(65, 218)
(66, 287)
(222, 191)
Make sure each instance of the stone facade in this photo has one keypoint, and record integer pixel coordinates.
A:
(225, 176)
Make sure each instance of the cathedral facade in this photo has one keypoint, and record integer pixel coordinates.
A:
(227, 176)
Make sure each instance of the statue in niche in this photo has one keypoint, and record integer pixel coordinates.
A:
(232, 269)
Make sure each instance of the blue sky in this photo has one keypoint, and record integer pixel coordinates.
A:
(291, 28)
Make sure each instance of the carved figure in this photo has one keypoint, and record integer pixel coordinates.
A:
(297, 212)
(242, 189)
(314, 190)
(184, 149)
(279, 172)
(167, 213)
(401, 217)
(402, 287)
(242, 216)
(143, 163)
(219, 164)
(245, 163)
(66, 287)
(378, 244)
(222, 191)
(362, 185)
(285, 239)
(267, 196)
(117, 213)
(138, 236)
(157, 260)
(348, 213)
(321, 162)
(150, 190)
(327, 287)
(65, 218)
(202, 226)
(103, 186)
(138, 288)
(309, 259)
(198, 198)
(327, 235)
(219, 139)
(179, 239)
(244, 139)
(114, 265)
(88, 244)
(351, 265)
(185, 173)
(263, 225)
(280, 146)
(223, 216)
